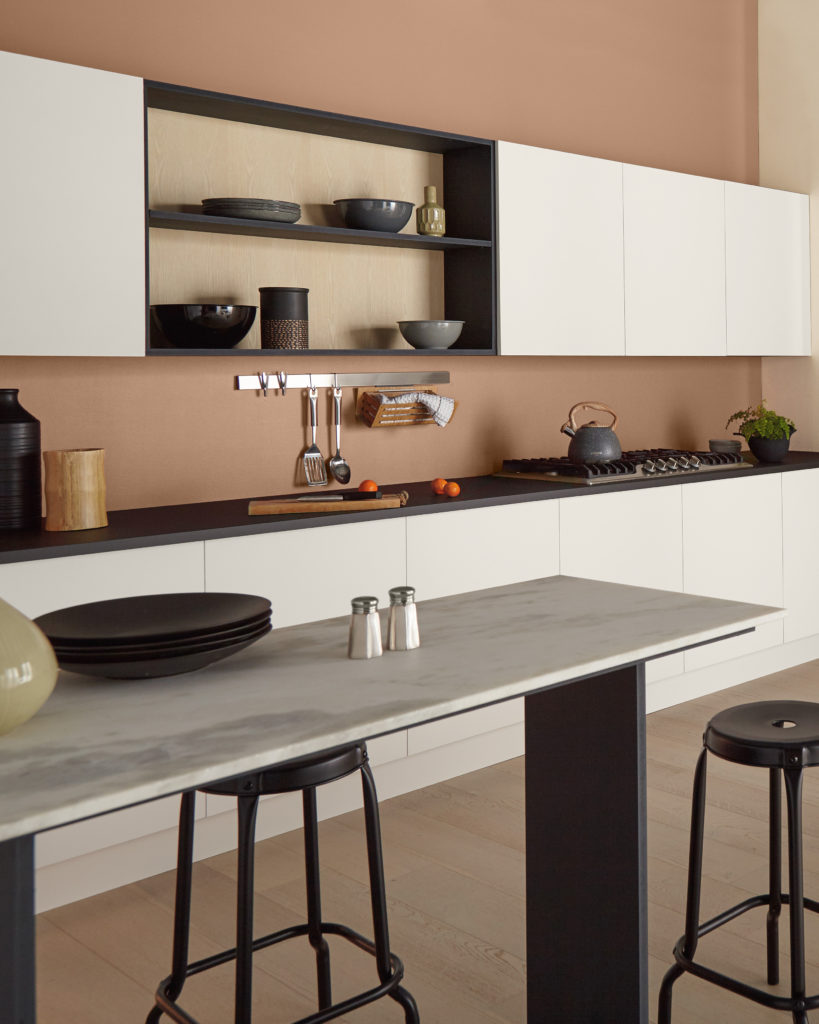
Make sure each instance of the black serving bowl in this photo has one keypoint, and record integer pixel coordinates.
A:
(199, 326)
(374, 214)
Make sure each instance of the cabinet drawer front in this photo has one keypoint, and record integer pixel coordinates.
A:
(314, 573)
(732, 548)
(472, 549)
(51, 583)
(632, 537)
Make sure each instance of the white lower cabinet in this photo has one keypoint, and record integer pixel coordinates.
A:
(312, 573)
(800, 550)
(47, 584)
(632, 537)
(732, 548)
(470, 549)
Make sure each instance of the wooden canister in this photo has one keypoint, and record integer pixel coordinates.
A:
(75, 489)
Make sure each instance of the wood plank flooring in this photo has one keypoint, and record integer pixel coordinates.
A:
(454, 865)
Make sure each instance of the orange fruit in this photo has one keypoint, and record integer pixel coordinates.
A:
(438, 485)
(452, 489)
(368, 485)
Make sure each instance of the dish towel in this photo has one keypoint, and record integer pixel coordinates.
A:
(441, 407)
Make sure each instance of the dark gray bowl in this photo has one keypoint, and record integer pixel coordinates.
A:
(199, 326)
(374, 214)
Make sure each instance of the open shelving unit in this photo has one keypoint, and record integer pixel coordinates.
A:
(467, 254)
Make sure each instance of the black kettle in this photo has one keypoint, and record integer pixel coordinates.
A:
(592, 442)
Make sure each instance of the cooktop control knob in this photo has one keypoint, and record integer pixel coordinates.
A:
(682, 462)
(694, 462)
(661, 465)
(649, 467)
(671, 464)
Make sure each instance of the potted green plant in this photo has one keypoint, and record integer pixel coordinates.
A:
(768, 434)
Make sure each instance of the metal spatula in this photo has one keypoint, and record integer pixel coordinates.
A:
(314, 471)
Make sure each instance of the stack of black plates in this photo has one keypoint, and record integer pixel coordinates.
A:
(156, 635)
(256, 209)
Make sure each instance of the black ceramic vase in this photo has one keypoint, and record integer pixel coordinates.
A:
(284, 317)
(20, 474)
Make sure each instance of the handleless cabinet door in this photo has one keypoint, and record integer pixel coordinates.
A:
(632, 537)
(560, 238)
(72, 258)
(732, 548)
(768, 271)
(46, 584)
(674, 244)
(312, 573)
(471, 549)
(800, 546)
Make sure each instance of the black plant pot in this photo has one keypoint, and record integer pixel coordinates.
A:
(768, 449)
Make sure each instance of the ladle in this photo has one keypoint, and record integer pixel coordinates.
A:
(338, 467)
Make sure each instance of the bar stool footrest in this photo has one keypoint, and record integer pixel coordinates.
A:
(180, 1016)
(741, 988)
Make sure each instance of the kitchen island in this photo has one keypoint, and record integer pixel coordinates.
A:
(574, 647)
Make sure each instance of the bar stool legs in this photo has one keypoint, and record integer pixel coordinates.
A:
(379, 897)
(304, 776)
(774, 874)
(311, 861)
(797, 1003)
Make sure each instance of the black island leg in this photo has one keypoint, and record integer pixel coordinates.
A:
(17, 950)
(586, 916)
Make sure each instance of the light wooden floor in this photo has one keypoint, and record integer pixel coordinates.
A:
(454, 860)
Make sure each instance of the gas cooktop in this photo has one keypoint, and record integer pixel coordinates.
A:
(644, 464)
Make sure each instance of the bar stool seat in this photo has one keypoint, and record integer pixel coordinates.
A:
(301, 775)
(782, 736)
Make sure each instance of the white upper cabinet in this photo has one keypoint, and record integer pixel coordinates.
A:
(674, 250)
(72, 256)
(560, 235)
(768, 271)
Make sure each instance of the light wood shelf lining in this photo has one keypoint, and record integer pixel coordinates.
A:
(357, 293)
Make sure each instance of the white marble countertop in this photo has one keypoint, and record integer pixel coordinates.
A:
(98, 744)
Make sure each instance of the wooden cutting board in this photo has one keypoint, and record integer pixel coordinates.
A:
(287, 506)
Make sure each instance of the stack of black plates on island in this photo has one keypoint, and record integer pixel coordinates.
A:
(255, 209)
(156, 635)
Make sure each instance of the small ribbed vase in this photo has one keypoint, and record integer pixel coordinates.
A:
(430, 218)
(28, 668)
(20, 474)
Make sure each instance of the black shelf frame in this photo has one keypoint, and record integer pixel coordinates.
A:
(470, 252)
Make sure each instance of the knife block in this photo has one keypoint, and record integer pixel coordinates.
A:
(75, 489)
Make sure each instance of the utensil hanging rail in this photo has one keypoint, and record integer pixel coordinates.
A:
(279, 380)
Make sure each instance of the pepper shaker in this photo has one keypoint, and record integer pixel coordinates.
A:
(402, 633)
(365, 629)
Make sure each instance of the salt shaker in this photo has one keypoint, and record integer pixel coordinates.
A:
(402, 634)
(365, 629)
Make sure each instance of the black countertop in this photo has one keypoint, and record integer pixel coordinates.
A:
(178, 524)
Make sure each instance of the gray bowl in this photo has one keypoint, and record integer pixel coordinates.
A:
(431, 333)
(374, 214)
(725, 446)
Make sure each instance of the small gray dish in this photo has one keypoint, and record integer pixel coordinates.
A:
(725, 446)
(431, 333)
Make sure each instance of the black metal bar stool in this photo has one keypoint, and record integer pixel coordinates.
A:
(304, 775)
(782, 736)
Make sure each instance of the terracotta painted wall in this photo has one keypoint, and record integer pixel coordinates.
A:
(668, 83)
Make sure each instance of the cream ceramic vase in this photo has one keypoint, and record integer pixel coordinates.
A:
(28, 668)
